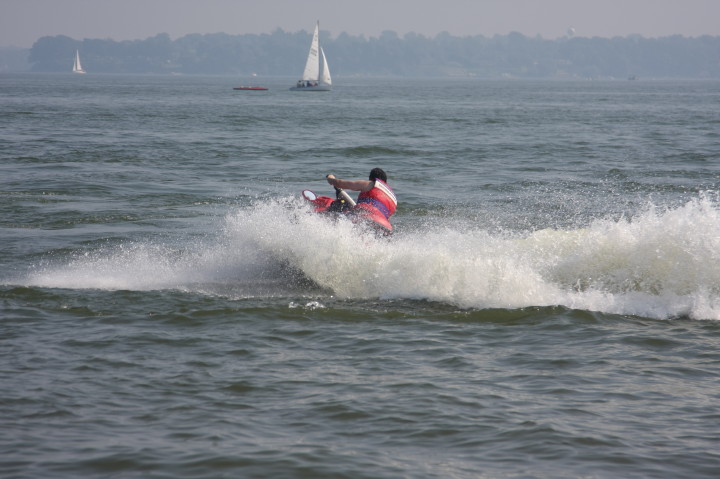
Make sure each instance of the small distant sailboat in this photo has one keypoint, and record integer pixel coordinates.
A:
(316, 76)
(77, 67)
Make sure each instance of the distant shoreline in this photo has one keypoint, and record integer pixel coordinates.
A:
(413, 56)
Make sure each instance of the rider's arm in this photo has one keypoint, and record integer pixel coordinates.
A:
(355, 185)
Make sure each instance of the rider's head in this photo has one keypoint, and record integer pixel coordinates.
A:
(379, 174)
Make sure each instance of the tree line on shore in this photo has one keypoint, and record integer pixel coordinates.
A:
(283, 54)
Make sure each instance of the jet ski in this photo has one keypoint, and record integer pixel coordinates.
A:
(344, 205)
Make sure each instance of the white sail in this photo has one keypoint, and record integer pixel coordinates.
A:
(325, 78)
(77, 67)
(312, 65)
(316, 76)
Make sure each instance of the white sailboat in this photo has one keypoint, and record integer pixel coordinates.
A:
(77, 67)
(316, 76)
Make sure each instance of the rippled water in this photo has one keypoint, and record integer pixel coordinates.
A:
(548, 306)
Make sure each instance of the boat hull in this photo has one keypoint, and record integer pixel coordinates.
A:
(311, 88)
(253, 88)
(345, 205)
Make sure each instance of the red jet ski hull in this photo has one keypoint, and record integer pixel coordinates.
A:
(326, 204)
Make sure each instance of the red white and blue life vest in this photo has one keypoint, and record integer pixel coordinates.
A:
(378, 204)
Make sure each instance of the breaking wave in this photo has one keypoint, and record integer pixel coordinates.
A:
(659, 263)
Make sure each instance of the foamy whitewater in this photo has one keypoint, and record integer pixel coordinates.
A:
(661, 263)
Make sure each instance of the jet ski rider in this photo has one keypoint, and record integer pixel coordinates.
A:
(376, 200)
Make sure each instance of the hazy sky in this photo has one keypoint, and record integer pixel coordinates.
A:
(24, 21)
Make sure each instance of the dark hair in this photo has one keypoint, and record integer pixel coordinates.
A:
(378, 173)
